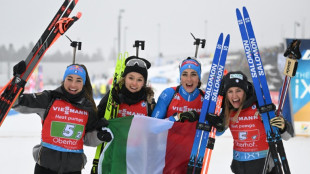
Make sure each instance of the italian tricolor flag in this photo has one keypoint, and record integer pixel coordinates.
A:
(147, 145)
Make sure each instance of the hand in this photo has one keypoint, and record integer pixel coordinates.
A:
(105, 135)
(278, 122)
(101, 124)
(191, 116)
(115, 95)
(215, 121)
(19, 68)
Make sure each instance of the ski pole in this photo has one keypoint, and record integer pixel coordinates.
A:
(293, 55)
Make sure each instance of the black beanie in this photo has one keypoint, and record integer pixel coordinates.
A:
(136, 67)
(235, 79)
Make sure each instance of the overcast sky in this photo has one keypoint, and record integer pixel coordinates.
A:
(165, 25)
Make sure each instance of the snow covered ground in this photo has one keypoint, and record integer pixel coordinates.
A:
(19, 133)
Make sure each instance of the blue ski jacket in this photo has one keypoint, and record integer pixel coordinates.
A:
(166, 97)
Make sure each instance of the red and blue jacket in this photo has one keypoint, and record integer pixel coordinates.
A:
(176, 100)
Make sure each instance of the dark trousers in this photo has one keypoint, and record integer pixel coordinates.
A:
(248, 167)
(42, 170)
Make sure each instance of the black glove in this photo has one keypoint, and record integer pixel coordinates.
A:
(191, 116)
(115, 95)
(215, 121)
(101, 123)
(19, 68)
(104, 135)
(278, 122)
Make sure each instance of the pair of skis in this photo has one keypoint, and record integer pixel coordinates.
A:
(266, 107)
(58, 26)
(203, 141)
(112, 108)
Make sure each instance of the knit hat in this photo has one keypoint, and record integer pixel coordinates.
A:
(190, 63)
(137, 64)
(77, 70)
(235, 79)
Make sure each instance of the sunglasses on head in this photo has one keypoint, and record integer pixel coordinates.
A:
(133, 62)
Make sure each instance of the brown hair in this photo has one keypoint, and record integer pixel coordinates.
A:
(228, 108)
(88, 88)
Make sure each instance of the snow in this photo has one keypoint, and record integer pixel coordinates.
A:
(19, 133)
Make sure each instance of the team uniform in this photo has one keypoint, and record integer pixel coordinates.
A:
(127, 107)
(250, 148)
(176, 100)
(66, 126)
(250, 142)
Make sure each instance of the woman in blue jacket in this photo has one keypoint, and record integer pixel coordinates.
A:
(182, 104)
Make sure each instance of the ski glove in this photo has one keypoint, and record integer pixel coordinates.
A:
(215, 121)
(278, 122)
(105, 135)
(191, 116)
(101, 124)
(19, 68)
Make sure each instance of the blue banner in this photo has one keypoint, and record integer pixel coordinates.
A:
(300, 90)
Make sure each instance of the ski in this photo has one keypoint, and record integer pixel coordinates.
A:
(215, 106)
(111, 108)
(212, 89)
(54, 30)
(111, 111)
(266, 108)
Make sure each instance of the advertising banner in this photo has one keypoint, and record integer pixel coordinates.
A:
(300, 91)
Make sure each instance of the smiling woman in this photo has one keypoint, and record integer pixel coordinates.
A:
(73, 84)
(183, 104)
(241, 115)
(69, 121)
(131, 94)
